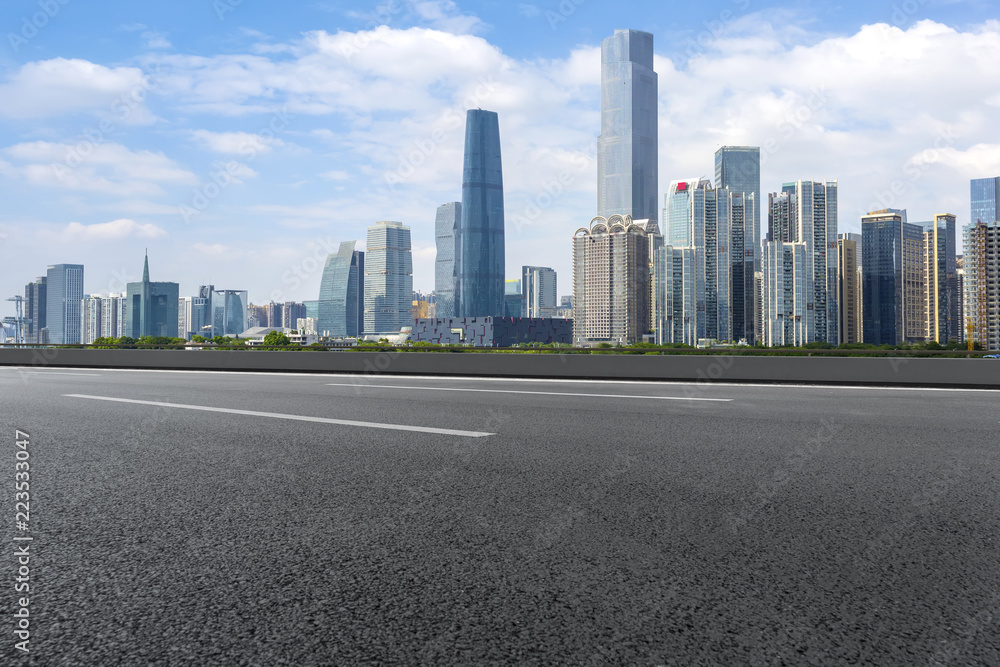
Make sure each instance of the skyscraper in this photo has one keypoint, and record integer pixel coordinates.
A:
(64, 295)
(627, 149)
(981, 260)
(34, 310)
(985, 196)
(151, 308)
(849, 288)
(446, 233)
(941, 271)
(786, 285)
(229, 310)
(480, 263)
(807, 212)
(538, 288)
(342, 293)
(738, 168)
(388, 283)
(611, 295)
(893, 280)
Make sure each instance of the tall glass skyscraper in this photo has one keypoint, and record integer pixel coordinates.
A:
(446, 233)
(34, 310)
(480, 261)
(388, 271)
(985, 200)
(342, 293)
(64, 296)
(627, 149)
(738, 168)
(892, 278)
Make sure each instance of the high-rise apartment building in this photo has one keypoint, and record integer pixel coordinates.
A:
(342, 294)
(480, 263)
(291, 311)
(538, 289)
(981, 261)
(676, 302)
(447, 225)
(893, 281)
(611, 294)
(90, 318)
(34, 311)
(787, 283)
(388, 283)
(807, 212)
(64, 295)
(717, 225)
(627, 148)
(849, 283)
(151, 308)
(942, 297)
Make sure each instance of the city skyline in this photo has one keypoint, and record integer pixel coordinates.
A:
(265, 229)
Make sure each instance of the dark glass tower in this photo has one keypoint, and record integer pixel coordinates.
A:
(342, 293)
(480, 261)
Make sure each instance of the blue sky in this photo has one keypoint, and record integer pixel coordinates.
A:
(240, 143)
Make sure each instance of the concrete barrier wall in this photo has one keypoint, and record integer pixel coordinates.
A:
(899, 371)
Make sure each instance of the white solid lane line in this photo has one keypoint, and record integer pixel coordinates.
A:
(538, 393)
(93, 375)
(303, 418)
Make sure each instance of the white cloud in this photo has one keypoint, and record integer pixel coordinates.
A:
(237, 143)
(110, 231)
(106, 168)
(53, 87)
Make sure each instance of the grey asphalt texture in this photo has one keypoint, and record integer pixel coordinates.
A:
(789, 526)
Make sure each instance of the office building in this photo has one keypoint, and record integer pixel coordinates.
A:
(481, 261)
(151, 308)
(342, 294)
(985, 199)
(447, 225)
(611, 282)
(738, 168)
(229, 311)
(849, 287)
(291, 311)
(34, 311)
(388, 279)
(676, 303)
(942, 297)
(64, 294)
(893, 279)
(539, 289)
(627, 156)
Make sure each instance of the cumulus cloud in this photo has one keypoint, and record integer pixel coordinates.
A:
(236, 143)
(54, 87)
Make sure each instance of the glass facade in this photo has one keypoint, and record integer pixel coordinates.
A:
(388, 282)
(64, 296)
(342, 294)
(480, 263)
(891, 289)
(627, 148)
(738, 168)
(229, 312)
(35, 298)
(446, 233)
(985, 194)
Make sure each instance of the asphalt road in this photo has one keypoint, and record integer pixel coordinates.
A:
(408, 521)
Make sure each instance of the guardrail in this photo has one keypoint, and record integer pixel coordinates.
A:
(911, 371)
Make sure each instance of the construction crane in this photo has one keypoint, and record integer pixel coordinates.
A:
(18, 319)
